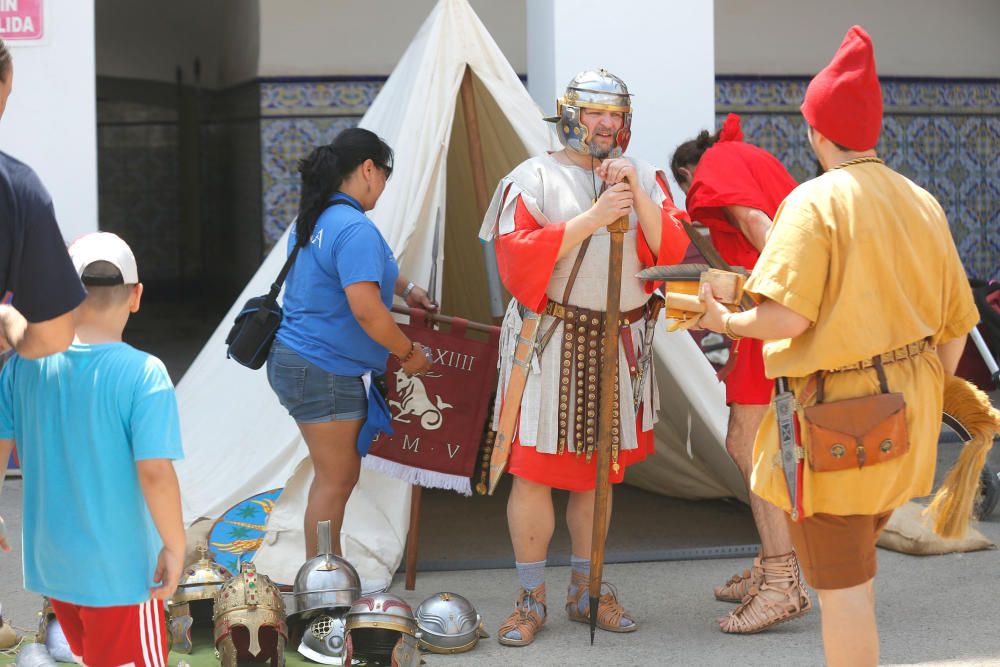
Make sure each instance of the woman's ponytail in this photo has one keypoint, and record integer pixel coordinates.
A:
(324, 171)
(689, 153)
(321, 177)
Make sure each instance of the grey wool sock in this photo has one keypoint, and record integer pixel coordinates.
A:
(581, 566)
(531, 576)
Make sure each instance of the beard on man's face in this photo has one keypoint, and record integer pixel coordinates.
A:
(598, 151)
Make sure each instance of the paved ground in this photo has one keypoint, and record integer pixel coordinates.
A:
(940, 610)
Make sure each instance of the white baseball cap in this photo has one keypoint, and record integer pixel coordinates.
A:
(104, 247)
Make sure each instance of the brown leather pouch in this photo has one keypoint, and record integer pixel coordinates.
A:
(856, 432)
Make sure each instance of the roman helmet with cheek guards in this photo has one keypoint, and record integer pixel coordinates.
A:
(250, 620)
(197, 586)
(593, 89)
(381, 628)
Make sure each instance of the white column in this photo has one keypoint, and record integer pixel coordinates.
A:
(50, 122)
(664, 50)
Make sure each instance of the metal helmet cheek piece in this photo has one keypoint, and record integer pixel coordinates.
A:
(250, 620)
(325, 640)
(448, 623)
(198, 585)
(326, 581)
(593, 89)
(381, 628)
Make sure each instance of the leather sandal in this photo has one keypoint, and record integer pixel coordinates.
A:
(609, 611)
(739, 585)
(524, 618)
(780, 597)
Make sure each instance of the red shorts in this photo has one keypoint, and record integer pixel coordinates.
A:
(112, 636)
(747, 384)
(570, 472)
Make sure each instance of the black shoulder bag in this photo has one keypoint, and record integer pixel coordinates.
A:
(249, 341)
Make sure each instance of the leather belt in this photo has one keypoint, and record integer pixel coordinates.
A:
(899, 354)
(558, 310)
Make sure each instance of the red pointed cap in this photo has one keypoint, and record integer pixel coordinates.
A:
(844, 101)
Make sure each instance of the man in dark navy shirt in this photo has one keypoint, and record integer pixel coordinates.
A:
(38, 284)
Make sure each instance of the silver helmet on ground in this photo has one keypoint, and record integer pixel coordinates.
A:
(448, 623)
(198, 585)
(326, 581)
(325, 641)
(381, 628)
(250, 620)
(599, 90)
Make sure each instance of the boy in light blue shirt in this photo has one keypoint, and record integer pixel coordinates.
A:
(96, 429)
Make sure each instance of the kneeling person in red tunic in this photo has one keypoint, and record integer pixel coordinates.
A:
(734, 189)
(549, 217)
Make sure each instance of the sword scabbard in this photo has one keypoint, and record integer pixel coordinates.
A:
(511, 406)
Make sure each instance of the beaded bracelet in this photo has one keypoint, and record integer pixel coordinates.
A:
(403, 360)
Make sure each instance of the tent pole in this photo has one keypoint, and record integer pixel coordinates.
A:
(413, 537)
(482, 198)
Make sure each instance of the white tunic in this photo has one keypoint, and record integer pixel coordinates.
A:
(555, 192)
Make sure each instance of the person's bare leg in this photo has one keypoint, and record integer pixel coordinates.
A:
(580, 520)
(530, 519)
(850, 633)
(775, 574)
(744, 420)
(333, 450)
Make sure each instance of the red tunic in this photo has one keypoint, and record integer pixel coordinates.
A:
(526, 258)
(734, 173)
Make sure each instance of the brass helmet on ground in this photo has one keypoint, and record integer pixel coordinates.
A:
(381, 628)
(326, 581)
(599, 90)
(45, 617)
(198, 584)
(324, 641)
(448, 623)
(250, 620)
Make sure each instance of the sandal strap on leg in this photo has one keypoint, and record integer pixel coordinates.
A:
(738, 586)
(779, 598)
(610, 611)
(524, 619)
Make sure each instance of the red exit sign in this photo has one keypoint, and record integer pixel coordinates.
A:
(21, 20)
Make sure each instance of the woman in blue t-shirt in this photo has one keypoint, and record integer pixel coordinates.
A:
(337, 331)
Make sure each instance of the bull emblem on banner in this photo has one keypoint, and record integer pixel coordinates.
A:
(415, 402)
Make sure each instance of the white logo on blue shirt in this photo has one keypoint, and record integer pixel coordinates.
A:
(317, 239)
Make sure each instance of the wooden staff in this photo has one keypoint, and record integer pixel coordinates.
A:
(609, 382)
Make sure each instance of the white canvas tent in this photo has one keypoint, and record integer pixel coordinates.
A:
(239, 441)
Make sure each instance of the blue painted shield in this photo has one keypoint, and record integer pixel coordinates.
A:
(238, 533)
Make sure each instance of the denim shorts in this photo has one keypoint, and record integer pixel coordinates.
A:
(310, 394)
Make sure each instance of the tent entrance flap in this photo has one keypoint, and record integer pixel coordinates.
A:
(466, 292)
(471, 120)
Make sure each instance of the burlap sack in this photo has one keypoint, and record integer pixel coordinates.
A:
(910, 533)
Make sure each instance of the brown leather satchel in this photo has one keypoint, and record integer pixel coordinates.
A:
(858, 432)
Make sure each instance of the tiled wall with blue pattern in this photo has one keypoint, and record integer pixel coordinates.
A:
(295, 118)
(943, 134)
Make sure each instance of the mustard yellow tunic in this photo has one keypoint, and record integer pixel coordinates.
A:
(866, 255)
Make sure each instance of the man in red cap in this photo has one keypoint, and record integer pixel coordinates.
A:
(862, 298)
(734, 189)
